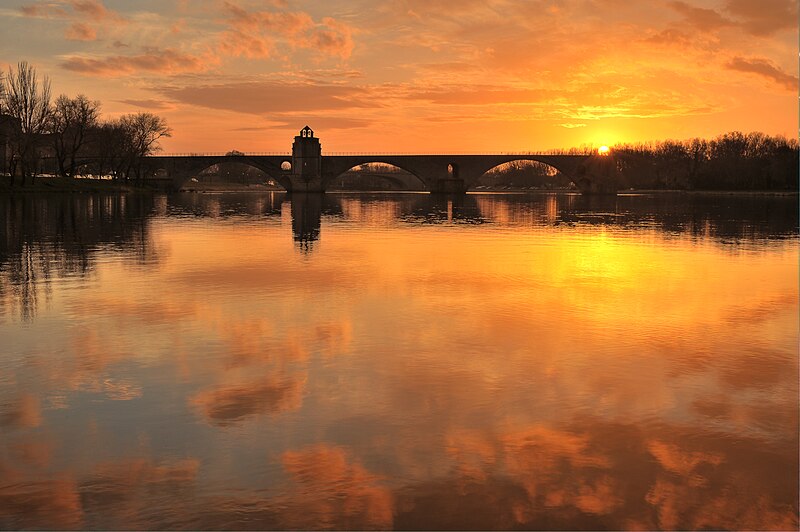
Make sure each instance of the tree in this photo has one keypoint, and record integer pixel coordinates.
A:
(142, 133)
(107, 143)
(28, 103)
(72, 119)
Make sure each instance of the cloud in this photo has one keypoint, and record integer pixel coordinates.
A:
(258, 34)
(765, 69)
(322, 122)
(571, 125)
(93, 10)
(271, 97)
(238, 43)
(44, 10)
(80, 12)
(480, 95)
(166, 61)
(80, 32)
(701, 18)
(147, 104)
(333, 38)
(765, 17)
(670, 37)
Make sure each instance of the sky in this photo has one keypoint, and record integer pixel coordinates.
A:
(420, 76)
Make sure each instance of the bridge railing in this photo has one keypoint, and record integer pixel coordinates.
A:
(225, 154)
(444, 154)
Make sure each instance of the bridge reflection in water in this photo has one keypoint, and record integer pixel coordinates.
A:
(309, 213)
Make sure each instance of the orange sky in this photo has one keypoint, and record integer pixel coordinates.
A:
(420, 75)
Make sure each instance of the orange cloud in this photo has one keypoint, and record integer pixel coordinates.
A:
(93, 10)
(166, 61)
(44, 10)
(333, 38)
(80, 32)
(147, 104)
(257, 34)
(701, 18)
(272, 96)
(80, 12)
(766, 69)
(765, 17)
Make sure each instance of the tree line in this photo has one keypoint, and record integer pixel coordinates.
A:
(733, 161)
(68, 133)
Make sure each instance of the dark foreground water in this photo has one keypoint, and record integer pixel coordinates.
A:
(399, 361)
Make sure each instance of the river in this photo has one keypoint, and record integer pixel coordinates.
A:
(409, 361)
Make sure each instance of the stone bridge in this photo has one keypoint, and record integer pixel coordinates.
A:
(307, 170)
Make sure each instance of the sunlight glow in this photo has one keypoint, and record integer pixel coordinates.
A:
(603, 150)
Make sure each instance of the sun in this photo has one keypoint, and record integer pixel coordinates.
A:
(603, 150)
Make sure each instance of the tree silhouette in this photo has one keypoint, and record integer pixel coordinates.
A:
(27, 101)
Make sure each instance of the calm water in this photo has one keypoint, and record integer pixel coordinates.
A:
(399, 361)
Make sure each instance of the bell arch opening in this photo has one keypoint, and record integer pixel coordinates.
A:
(452, 171)
(376, 176)
(520, 175)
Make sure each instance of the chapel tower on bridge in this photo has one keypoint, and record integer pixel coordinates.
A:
(307, 159)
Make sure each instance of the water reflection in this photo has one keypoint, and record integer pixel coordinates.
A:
(306, 219)
(59, 236)
(727, 219)
(473, 362)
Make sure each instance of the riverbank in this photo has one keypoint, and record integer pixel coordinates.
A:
(229, 187)
(64, 184)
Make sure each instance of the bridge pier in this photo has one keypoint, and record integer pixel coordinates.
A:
(304, 184)
(449, 186)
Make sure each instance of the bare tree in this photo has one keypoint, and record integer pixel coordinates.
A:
(142, 131)
(107, 142)
(28, 103)
(71, 121)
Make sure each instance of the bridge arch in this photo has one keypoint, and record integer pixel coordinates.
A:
(522, 172)
(337, 173)
(184, 174)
